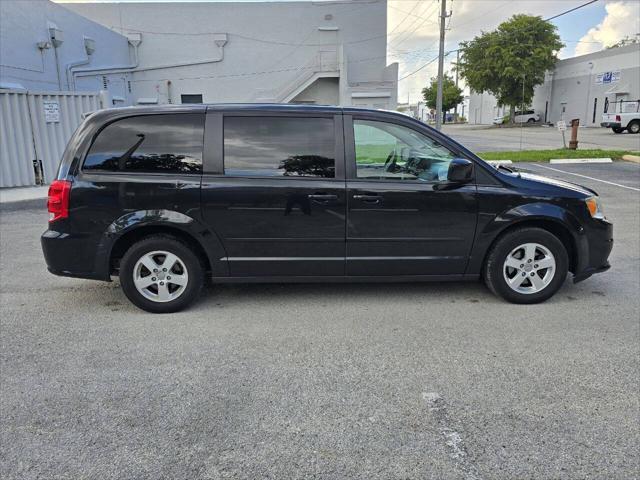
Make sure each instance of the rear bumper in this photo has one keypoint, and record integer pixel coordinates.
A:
(69, 255)
(611, 124)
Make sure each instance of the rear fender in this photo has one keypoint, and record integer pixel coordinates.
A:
(156, 221)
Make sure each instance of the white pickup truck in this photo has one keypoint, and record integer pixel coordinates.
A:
(627, 119)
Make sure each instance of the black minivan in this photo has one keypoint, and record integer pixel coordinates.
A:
(165, 197)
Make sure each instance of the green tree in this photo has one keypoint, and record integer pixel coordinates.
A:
(510, 60)
(451, 95)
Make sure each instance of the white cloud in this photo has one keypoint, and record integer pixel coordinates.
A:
(622, 19)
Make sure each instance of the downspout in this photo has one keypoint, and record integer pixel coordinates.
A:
(71, 84)
(552, 79)
(220, 43)
(56, 37)
(87, 72)
(89, 46)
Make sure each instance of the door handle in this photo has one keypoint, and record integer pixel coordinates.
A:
(322, 197)
(368, 198)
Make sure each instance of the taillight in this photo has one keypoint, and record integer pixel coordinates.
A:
(58, 200)
(618, 118)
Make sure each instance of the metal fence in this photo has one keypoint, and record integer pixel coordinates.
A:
(34, 130)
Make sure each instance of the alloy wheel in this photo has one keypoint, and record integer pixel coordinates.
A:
(529, 268)
(160, 276)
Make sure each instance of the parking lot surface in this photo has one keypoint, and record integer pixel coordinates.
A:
(368, 381)
(484, 138)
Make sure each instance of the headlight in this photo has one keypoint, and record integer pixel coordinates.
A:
(595, 207)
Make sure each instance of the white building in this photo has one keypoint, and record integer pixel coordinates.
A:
(59, 62)
(578, 87)
(43, 46)
(302, 52)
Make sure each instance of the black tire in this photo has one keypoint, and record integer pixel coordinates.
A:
(531, 120)
(634, 126)
(617, 129)
(188, 258)
(493, 268)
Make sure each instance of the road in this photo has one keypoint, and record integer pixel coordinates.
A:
(375, 381)
(482, 138)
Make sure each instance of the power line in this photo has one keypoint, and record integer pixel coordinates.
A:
(421, 17)
(570, 10)
(546, 20)
(405, 17)
(553, 17)
(422, 67)
(406, 35)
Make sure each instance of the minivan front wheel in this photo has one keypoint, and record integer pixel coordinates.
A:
(527, 265)
(160, 274)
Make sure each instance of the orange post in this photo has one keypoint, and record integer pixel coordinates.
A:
(573, 143)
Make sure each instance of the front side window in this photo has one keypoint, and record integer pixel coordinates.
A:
(393, 152)
(279, 147)
(149, 144)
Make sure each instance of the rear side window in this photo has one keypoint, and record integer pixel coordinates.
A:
(279, 147)
(150, 144)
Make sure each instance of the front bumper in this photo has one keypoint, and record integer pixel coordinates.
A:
(611, 124)
(598, 236)
(591, 271)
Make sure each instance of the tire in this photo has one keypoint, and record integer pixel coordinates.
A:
(161, 292)
(544, 282)
(531, 120)
(617, 129)
(634, 126)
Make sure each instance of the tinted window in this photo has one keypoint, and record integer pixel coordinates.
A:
(278, 146)
(152, 143)
(392, 152)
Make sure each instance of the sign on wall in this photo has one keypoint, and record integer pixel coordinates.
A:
(51, 112)
(606, 78)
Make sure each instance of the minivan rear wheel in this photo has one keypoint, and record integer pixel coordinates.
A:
(527, 265)
(161, 274)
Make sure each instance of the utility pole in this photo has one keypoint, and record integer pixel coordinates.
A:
(455, 109)
(443, 17)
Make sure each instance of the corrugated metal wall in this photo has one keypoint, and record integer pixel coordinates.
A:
(16, 142)
(28, 133)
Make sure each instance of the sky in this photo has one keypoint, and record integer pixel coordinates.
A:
(412, 29)
(586, 30)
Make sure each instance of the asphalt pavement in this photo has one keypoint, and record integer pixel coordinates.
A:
(485, 138)
(373, 381)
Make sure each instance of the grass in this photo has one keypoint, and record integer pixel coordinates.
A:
(546, 155)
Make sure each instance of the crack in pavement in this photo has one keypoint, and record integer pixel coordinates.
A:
(452, 439)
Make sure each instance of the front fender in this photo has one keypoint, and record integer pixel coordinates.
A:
(533, 211)
(491, 226)
(157, 219)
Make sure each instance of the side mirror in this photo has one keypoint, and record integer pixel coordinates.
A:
(460, 171)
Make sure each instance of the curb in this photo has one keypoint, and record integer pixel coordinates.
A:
(580, 160)
(499, 162)
(631, 158)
